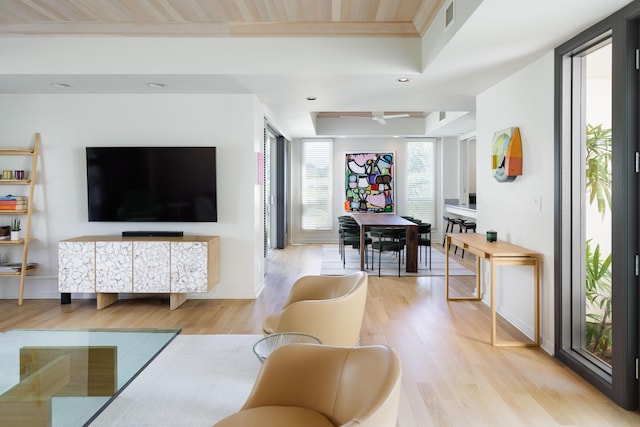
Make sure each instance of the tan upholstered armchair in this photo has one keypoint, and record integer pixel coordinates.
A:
(330, 308)
(315, 385)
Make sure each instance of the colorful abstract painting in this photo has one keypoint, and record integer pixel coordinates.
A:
(506, 158)
(369, 182)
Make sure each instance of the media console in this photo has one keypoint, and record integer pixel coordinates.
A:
(109, 265)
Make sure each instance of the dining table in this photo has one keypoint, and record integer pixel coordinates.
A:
(370, 219)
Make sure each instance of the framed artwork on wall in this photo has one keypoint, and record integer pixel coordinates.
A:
(369, 182)
(506, 158)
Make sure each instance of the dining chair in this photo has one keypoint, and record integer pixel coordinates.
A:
(389, 239)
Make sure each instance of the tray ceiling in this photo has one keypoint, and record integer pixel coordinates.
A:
(222, 18)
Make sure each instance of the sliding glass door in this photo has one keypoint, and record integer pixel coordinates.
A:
(596, 263)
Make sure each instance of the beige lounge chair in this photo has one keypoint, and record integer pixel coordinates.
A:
(331, 308)
(314, 385)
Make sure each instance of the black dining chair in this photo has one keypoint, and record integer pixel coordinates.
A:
(465, 226)
(424, 241)
(388, 239)
(350, 236)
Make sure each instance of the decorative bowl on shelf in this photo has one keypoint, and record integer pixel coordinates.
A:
(265, 346)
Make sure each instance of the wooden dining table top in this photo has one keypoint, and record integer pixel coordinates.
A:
(381, 219)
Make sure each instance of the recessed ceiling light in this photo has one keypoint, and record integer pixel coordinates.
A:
(156, 85)
(403, 80)
(311, 98)
(63, 85)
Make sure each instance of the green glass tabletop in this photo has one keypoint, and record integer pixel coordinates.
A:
(65, 377)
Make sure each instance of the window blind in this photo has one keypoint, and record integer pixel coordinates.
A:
(316, 185)
(421, 180)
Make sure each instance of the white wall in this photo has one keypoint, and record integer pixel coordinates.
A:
(69, 123)
(525, 100)
(450, 168)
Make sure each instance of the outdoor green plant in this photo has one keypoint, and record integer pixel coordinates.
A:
(15, 224)
(598, 294)
(598, 267)
(598, 174)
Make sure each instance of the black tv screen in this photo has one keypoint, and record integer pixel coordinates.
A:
(152, 184)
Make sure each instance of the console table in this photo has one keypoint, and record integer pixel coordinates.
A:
(109, 265)
(497, 253)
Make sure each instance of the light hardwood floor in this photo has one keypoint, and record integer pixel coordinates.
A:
(452, 376)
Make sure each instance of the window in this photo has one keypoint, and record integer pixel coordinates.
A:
(421, 180)
(596, 233)
(316, 185)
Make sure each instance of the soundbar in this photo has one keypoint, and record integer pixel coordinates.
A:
(152, 234)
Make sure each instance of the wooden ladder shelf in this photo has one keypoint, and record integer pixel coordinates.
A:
(29, 180)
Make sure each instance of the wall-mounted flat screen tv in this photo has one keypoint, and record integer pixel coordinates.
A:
(152, 184)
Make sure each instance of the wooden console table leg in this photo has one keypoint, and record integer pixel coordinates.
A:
(492, 280)
(536, 313)
(478, 275)
(533, 261)
(176, 300)
(447, 241)
(105, 300)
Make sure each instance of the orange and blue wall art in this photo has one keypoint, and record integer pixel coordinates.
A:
(506, 158)
(369, 182)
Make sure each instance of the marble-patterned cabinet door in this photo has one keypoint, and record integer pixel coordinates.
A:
(114, 267)
(76, 267)
(189, 263)
(151, 267)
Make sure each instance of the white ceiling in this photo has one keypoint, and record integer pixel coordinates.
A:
(447, 68)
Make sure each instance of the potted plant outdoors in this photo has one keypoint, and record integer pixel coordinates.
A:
(15, 229)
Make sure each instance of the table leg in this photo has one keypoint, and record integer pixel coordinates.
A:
(493, 302)
(362, 248)
(536, 314)
(522, 261)
(447, 240)
(412, 248)
(478, 275)
(448, 243)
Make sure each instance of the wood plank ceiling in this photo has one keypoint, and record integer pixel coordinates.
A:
(218, 18)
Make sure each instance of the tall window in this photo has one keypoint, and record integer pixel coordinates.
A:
(596, 231)
(591, 194)
(421, 180)
(316, 186)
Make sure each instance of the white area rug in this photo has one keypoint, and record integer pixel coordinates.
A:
(332, 264)
(196, 381)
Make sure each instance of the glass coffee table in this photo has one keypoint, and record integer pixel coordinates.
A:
(66, 377)
(265, 346)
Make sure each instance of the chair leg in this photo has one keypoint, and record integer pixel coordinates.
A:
(444, 237)
(366, 257)
(373, 259)
(455, 251)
